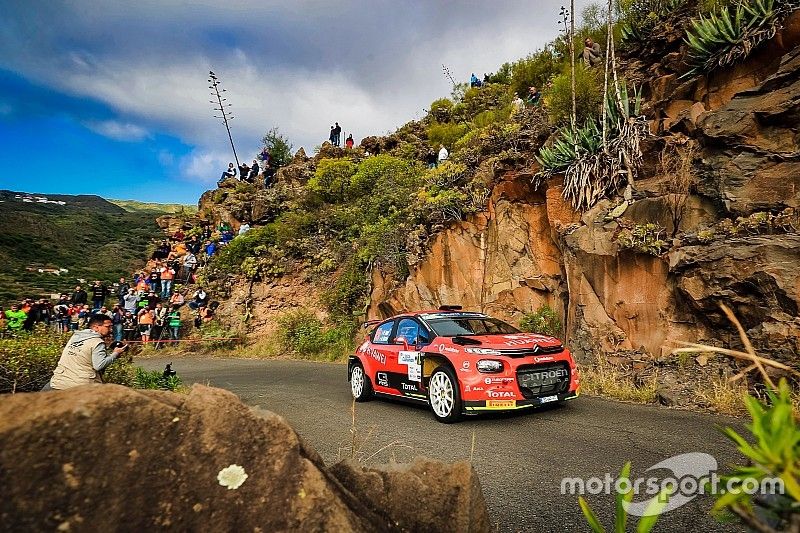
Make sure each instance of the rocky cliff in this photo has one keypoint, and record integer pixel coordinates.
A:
(721, 183)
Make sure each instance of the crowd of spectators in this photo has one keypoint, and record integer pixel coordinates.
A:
(146, 308)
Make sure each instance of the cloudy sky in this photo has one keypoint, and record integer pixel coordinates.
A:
(111, 97)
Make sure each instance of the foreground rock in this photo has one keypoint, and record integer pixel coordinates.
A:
(102, 458)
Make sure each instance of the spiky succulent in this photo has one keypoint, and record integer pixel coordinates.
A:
(730, 33)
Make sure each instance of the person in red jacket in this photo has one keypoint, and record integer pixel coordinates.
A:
(349, 141)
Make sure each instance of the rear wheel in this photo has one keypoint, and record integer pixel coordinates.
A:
(360, 385)
(444, 395)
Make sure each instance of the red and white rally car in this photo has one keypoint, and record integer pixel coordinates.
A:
(461, 362)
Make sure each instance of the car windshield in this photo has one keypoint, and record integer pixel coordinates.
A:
(458, 326)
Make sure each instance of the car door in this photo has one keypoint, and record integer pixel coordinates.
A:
(407, 365)
(380, 353)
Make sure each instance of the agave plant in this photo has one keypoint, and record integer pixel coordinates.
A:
(643, 16)
(730, 33)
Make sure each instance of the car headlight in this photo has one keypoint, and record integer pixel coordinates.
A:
(489, 366)
(482, 351)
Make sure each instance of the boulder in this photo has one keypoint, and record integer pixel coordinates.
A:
(109, 458)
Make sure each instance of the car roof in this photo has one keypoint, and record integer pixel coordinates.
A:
(439, 313)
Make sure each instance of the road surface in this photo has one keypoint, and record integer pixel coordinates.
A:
(521, 458)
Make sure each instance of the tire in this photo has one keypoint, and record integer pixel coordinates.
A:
(360, 385)
(444, 395)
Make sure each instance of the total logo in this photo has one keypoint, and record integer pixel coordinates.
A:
(408, 386)
(499, 394)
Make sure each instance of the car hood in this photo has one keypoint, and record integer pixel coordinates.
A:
(511, 342)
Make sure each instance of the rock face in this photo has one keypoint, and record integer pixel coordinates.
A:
(108, 458)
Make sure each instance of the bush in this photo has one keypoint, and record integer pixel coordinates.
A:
(643, 238)
(445, 134)
(230, 257)
(544, 321)
(441, 110)
(27, 360)
(332, 179)
(303, 334)
(535, 70)
(588, 95)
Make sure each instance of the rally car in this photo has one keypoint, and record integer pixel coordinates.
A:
(461, 362)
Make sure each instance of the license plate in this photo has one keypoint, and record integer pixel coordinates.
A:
(501, 404)
(547, 399)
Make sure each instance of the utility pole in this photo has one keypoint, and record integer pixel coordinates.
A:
(226, 116)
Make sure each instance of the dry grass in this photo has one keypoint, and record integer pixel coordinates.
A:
(605, 379)
(723, 396)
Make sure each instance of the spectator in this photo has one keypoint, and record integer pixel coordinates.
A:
(15, 318)
(122, 291)
(229, 173)
(159, 323)
(251, 177)
(118, 322)
(174, 321)
(474, 81)
(178, 235)
(193, 245)
(84, 313)
(130, 300)
(3, 321)
(155, 278)
(167, 274)
(145, 321)
(104, 311)
(205, 314)
(211, 248)
(152, 300)
(85, 356)
(349, 142)
(266, 156)
(431, 158)
(443, 154)
(517, 104)
(199, 299)
(592, 53)
(79, 297)
(75, 317)
(244, 171)
(129, 326)
(176, 300)
(337, 135)
(533, 96)
(332, 137)
(99, 293)
(189, 264)
(244, 228)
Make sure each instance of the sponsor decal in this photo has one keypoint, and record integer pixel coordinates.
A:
(408, 386)
(448, 349)
(489, 381)
(466, 388)
(499, 394)
(465, 366)
(543, 359)
(363, 347)
(383, 379)
(375, 354)
(407, 358)
(501, 404)
(415, 372)
(477, 388)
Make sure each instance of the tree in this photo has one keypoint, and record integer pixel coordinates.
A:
(279, 147)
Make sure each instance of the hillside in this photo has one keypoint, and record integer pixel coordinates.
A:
(694, 204)
(86, 235)
(134, 206)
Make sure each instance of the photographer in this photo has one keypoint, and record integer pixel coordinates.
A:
(85, 356)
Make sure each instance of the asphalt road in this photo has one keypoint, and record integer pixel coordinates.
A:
(520, 458)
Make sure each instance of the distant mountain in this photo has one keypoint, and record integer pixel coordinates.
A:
(135, 205)
(49, 241)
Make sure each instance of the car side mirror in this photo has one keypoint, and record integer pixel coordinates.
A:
(401, 340)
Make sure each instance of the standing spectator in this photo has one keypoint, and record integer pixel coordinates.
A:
(349, 142)
(167, 276)
(145, 321)
(244, 228)
(75, 317)
(229, 173)
(104, 311)
(332, 137)
(534, 96)
(337, 135)
(122, 291)
(177, 300)
(159, 323)
(517, 104)
(99, 293)
(84, 313)
(3, 322)
(85, 356)
(443, 154)
(592, 53)
(174, 321)
(189, 264)
(15, 318)
(79, 297)
(118, 321)
(474, 81)
(129, 326)
(155, 279)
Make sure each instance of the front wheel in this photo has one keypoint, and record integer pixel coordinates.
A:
(360, 385)
(444, 396)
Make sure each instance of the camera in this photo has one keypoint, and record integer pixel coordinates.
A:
(118, 344)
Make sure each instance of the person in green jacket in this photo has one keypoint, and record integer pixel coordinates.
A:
(174, 322)
(16, 317)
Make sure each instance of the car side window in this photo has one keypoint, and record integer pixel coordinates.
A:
(412, 332)
(382, 332)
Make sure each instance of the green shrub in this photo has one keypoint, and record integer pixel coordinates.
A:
(535, 70)
(441, 110)
(445, 134)
(348, 294)
(544, 321)
(303, 334)
(643, 238)
(588, 95)
(27, 360)
(230, 257)
(479, 99)
(280, 149)
(332, 179)
(155, 379)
